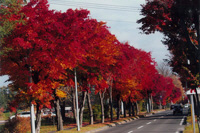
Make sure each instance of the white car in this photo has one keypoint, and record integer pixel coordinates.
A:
(22, 114)
(48, 113)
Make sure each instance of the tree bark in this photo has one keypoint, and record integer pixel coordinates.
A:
(101, 96)
(118, 107)
(90, 109)
(59, 116)
(84, 93)
(63, 110)
(137, 109)
(110, 101)
(151, 102)
(133, 111)
(38, 119)
(129, 106)
(74, 105)
(124, 109)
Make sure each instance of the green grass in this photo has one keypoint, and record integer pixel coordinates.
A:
(189, 128)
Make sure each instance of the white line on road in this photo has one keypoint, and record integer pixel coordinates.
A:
(140, 127)
(182, 120)
(148, 123)
(130, 131)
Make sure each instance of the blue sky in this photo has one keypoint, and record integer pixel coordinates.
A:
(121, 17)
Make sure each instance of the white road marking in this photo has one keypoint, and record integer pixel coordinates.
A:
(182, 120)
(154, 120)
(130, 131)
(148, 123)
(140, 127)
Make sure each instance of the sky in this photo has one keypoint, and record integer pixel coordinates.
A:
(121, 17)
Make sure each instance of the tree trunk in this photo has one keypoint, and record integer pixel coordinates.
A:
(147, 106)
(63, 110)
(151, 102)
(137, 109)
(58, 114)
(149, 98)
(101, 96)
(118, 107)
(124, 109)
(74, 105)
(90, 109)
(110, 101)
(133, 111)
(38, 119)
(84, 93)
(129, 107)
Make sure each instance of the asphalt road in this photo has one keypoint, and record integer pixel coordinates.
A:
(163, 122)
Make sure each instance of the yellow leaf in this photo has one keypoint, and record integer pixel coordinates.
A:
(61, 94)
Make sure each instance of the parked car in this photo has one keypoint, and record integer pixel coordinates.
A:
(178, 109)
(22, 114)
(48, 113)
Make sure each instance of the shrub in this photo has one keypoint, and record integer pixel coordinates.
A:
(96, 111)
(18, 125)
(1, 113)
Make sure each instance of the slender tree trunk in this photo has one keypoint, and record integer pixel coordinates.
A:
(101, 96)
(118, 107)
(38, 119)
(137, 109)
(58, 113)
(110, 101)
(62, 106)
(129, 106)
(133, 111)
(74, 105)
(59, 116)
(151, 102)
(149, 97)
(147, 106)
(84, 93)
(124, 109)
(90, 109)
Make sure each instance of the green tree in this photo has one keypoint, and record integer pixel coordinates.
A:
(6, 95)
(8, 9)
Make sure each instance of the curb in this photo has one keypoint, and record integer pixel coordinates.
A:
(114, 124)
(121, 122)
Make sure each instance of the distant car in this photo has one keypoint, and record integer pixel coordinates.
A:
(48, 113)
(172, 106)
(22, 114)
(178, 109)
(186, 105)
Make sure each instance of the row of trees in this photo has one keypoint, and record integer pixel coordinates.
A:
(179, 22)
(50, 46)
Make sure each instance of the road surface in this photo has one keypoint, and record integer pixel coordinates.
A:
(163, 122)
